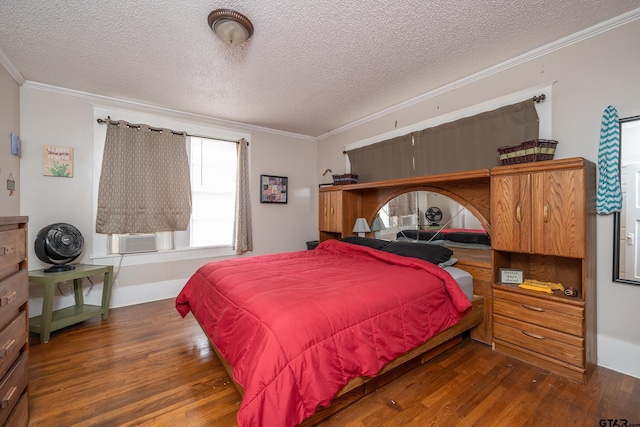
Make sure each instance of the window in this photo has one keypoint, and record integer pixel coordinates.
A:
(213, 187)
(213, 165)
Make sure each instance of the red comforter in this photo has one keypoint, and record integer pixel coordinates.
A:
(296, 327)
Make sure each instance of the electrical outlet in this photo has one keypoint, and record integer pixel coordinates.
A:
(115, 284)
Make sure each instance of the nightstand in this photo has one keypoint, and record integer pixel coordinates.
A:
(51, 320)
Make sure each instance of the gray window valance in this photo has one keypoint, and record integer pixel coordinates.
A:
(389, 159)
(465, 144)
(472, 142)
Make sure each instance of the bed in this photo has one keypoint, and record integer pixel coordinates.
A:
(298, 331)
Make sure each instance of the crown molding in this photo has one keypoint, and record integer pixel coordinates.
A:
(8, 65)
(510, 63)
(103, 100)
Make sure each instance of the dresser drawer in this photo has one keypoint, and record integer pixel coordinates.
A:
(555, 315)
(20, 415)
(14, 292)
(12, 386)
(558, 345)
(12, 250)
(12, 339)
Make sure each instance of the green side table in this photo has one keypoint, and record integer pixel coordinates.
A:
(51, 320)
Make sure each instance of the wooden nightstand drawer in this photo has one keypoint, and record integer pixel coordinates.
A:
(14, 292)
(555, 315)
(12, 338)
(12, 386)
(557, 345)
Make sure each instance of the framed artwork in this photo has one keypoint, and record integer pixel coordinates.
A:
(273, 189)
(57, 161)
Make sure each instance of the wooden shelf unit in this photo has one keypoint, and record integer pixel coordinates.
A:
(543, 223)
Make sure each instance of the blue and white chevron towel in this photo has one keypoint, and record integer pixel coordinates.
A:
(609, 196)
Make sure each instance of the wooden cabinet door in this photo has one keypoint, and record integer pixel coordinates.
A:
(331, 211)
(559, 213)
(511, 213)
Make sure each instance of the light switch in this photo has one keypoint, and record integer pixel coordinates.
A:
(15, 145)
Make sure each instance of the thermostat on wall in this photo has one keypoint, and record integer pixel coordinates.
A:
(15, 145)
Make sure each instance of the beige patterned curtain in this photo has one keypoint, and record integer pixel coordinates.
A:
(144, 182)
(243, 234)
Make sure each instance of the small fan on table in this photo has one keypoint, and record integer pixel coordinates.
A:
(433, 215)
(59, 244)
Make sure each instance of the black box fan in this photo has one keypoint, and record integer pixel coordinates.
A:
(59, 244)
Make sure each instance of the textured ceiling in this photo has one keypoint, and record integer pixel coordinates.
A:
(310, 67)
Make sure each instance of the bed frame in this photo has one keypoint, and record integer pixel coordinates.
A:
(471, 189)
(361, 386)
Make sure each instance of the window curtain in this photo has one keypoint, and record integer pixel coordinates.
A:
(243, 234)
(472, 142)
(389, 159)
(403, 204)
(144, 181)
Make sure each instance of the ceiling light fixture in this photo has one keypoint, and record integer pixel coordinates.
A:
(232, 27)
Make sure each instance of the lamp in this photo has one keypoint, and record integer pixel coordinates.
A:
(376, 226)
(230, 26)
(361, 227)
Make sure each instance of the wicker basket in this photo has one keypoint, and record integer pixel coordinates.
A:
(347, 178)
(529, 151)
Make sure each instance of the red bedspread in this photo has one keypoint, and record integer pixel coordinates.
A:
(296, 327)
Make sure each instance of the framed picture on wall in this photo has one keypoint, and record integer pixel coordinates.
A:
(273, 189)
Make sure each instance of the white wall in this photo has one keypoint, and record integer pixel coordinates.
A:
(589, 75)
(59, 117)
(9, 123)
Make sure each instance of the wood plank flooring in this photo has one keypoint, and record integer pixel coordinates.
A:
(146, 366)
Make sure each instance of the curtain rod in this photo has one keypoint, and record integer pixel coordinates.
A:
(111, 122)
(537, 99)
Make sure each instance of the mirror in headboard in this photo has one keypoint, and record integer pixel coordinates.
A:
(427, 214)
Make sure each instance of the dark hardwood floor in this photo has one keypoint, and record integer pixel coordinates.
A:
(148, 366)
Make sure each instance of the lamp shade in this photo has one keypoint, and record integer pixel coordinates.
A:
(361, 227)
(376, 226)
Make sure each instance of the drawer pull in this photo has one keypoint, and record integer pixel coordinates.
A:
(518, 214)
(7, 397)
(4, 350)
(545, 213)
(532, 335)
(529, 307)
(6, 299)
(6, 250)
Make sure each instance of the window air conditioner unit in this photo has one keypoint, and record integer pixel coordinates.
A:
(135, 243)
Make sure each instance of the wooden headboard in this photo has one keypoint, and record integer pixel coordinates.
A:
(471, 189)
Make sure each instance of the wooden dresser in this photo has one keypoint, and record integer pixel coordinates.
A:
(14, 344)
(543, 223)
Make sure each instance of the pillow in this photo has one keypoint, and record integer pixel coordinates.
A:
(417, 234)
(365, 241)
(435, 254)
(448, 263)
(464, 237)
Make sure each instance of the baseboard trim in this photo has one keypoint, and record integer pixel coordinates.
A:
(619, 356)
